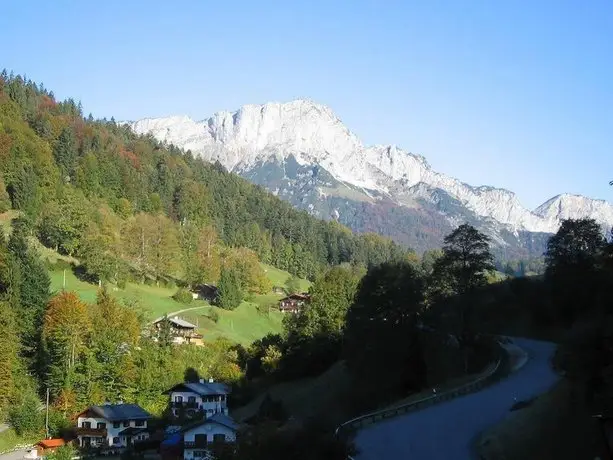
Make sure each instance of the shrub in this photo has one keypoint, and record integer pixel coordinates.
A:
(183, 296)
(66, 452)
(213, 316)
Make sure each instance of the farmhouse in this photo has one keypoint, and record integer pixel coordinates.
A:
(205, 292)
(294, 303)
(112, 425)
(204, 397)
(182, 331)
(200, 436)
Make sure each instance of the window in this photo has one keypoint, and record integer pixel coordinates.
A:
(115, 440)
(179, 399)
(140, 423)
(199, 453)
(191, 399)
(116, 424)
(101, 425)
(200, 439)
(86, 424)
(126, 423)
(219, 438)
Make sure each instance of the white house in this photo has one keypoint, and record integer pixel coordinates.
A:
(210, 397)
(112, 425)
(199, 437)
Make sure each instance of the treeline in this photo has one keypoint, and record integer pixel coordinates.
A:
(87, 183)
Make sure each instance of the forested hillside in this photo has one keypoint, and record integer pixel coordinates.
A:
(125, 204)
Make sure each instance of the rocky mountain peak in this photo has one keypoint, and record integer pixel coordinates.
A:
(313, 135)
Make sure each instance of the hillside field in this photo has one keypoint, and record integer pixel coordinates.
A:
(243, 325)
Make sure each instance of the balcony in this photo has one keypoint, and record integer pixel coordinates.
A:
(199, 444)
(184, 405)
(91, 432)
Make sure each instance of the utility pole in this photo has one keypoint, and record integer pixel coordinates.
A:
(47, 415)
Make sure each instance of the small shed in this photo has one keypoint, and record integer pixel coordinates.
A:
(48, 446)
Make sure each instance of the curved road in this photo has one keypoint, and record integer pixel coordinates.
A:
(446, 430)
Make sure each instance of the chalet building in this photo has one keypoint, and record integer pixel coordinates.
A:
(293, 303)
(182, 331)
(204, 397)
(201, 436)
(205, 292)
(112, 425)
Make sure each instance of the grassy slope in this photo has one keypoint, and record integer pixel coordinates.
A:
(280, 277)
(243, 325)
(9, 439)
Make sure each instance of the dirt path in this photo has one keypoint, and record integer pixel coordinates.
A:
(174, 313)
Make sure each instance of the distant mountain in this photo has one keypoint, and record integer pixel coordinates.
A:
(304, 154)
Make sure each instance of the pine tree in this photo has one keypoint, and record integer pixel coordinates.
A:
(230, 294)
(165, 332)
(5, 199)
(33, 287)
(65, 152)
(8, 355)
(24, 190)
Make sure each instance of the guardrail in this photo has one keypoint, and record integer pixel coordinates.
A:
(489, 375)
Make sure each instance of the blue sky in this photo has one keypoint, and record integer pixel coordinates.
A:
(515, 94)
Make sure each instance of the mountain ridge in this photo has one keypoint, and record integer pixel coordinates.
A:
(255, 135)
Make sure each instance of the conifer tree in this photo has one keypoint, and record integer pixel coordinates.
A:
(230, 294)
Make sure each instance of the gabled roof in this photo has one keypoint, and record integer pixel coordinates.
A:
(202, 389)
(118, 412)
(50, 443)
(177, 322)
(304, 296)
(219, 419)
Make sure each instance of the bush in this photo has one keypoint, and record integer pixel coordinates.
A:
(183, 296)
(213, 316)
(66, 452)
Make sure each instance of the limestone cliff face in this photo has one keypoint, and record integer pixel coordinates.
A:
(303, 134)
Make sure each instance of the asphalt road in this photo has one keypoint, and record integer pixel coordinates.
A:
(17, 455)
(446, 430)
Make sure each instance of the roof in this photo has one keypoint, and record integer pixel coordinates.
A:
(296, 297)
(50, 443)
(202, 389)
(219, 418)
(117, 412)
(177, 322)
